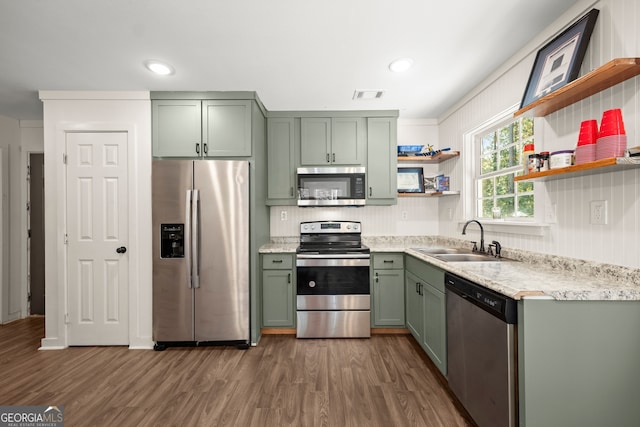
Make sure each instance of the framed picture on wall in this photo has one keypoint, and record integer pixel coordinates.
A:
(559, 61)
(410, 180)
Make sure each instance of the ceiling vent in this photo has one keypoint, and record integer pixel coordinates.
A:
(367, 94)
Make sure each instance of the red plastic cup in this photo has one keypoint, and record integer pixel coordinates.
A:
(588, 133)
(611, 123)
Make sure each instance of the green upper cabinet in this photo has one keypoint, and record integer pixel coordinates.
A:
(196, 128)
(226, 128)
(281, 161)
(382, 161)
(176, 128)
(332, 141)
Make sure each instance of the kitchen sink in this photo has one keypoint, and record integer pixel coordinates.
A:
(466, 257)
(457, 254)
(439, 251)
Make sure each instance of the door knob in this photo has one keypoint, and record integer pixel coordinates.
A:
(121, 250)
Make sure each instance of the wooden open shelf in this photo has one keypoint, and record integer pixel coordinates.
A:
(599, 166)
(610, 74)
(440, 157)
(434, 194)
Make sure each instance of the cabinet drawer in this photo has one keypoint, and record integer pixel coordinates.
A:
(388, 261)
(277, 262)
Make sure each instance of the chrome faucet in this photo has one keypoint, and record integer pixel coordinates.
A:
(464, 231)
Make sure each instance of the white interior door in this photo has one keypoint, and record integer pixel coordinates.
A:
(97, 224)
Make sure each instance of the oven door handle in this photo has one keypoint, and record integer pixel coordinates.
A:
(326, 256)
(332, 262)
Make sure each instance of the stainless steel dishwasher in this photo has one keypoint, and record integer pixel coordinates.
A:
(481, 352)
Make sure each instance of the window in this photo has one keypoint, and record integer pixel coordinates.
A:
(498, 161)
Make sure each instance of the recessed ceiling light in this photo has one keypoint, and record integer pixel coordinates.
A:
(159, 67)
(400, 65)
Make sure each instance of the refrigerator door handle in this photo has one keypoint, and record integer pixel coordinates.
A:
(195, 238)
(187, 236)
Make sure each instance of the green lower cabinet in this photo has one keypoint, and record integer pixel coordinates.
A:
(388, 290)
(434, 340)
(426, 309)
(278, 296)
(414, 309)
(578, 363)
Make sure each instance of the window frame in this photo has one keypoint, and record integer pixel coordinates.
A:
(526, 225)
(494, 175)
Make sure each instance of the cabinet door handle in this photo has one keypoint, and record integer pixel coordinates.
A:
(206, 149)
(377, 278)
(370, 191)
(328, 158)
(288, 277)
(417, 288)
(291, 191)
(197, 148)
(388, 260)
(334, 157)
(277, 261)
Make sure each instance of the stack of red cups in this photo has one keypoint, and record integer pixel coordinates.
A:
(586, 149)
(612, 138)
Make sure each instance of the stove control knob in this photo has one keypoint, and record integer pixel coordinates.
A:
(348, 227)
(305, 227)
(313, 226)
(312, 284)
(356, 227)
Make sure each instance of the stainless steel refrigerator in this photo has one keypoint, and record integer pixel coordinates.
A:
(200, 252)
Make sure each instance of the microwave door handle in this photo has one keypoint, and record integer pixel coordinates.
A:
(187, 237)
(195, 236)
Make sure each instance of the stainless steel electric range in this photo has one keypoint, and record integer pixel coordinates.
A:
(333, 291)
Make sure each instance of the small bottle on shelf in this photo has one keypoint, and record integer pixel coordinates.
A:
(528, 150)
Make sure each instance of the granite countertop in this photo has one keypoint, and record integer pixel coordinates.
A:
(521, 275)
(279, 248)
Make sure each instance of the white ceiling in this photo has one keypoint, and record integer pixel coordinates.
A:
(297, 54)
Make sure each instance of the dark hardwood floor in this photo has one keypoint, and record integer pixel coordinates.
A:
(382, 381)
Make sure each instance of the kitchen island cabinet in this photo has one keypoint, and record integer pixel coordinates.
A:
(388, 290)
(278, 292)
(426, 309)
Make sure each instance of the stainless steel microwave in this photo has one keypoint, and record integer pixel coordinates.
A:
(331, 186)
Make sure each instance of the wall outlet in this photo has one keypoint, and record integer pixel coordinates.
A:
(550, 213)
(284, 215)
(404, 215)
(599, 212)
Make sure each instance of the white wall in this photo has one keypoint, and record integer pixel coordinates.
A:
(616, 35)
(96, 111)
(420, 214)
